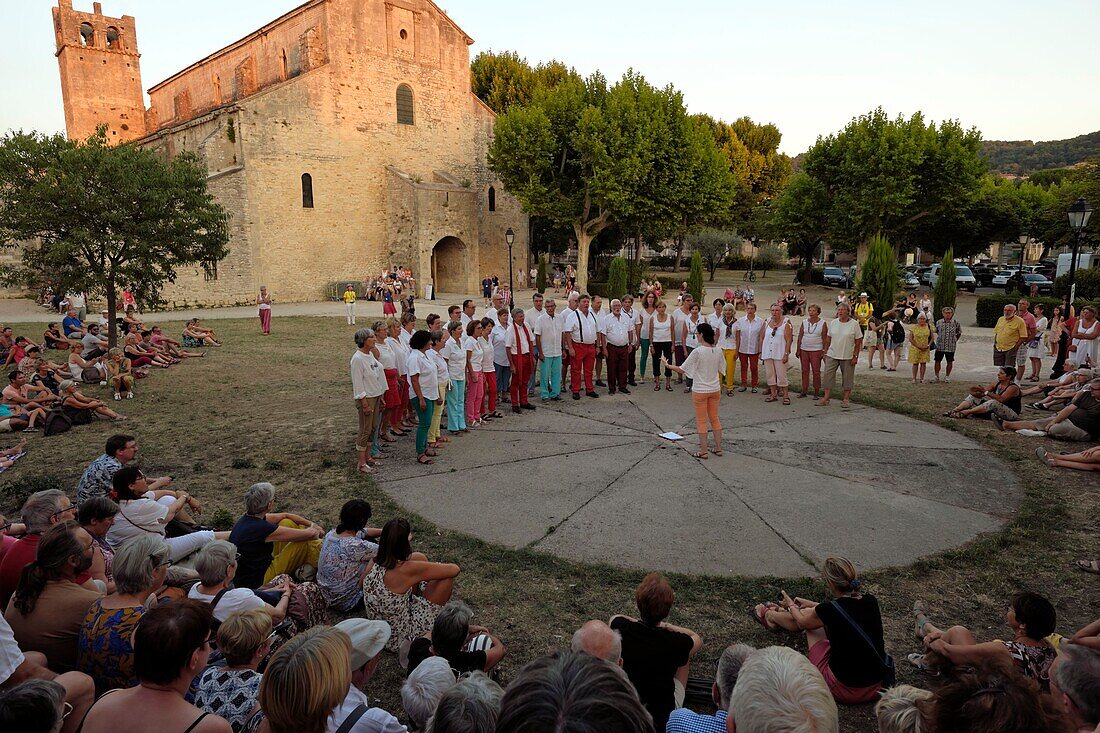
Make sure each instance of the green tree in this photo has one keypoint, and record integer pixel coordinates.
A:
(504, 80)
(800, 217)
(713, 245)
(540, 279)
(616, 278)
(879, 275)
(99, 218)
(943, 295)
(695, 277)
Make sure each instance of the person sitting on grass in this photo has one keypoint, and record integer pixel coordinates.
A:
(1077, 421)
(345, 554)
(96, 515)
(595, 637)
(1075, 684)
(467, 648)
(88, 371)
(1046, 387)
(1060, 395)
(896, 710)
(35, 706)
(273, 543)
(1031, 617)
(21, 394)
(52, 338)
(149, 346)
(472, 705)
(1001, 398)
(143, 511)
(852, 669)
(46, 376)
(1086, 460)
(72, 327)
(80, 408)
(423, 689)
(120, 373)
(683, 720)
(171, 346)
(139, 354)
(232, 691)
(195, 336)
(779, 691)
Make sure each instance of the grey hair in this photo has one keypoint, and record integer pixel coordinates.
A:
(258, 496)
(213, 561)
(378, 326)
(549, 301)
(34, 700)
(136, 561)
(516, 312)
(729, 667)
(845, 306)
(436, 336)
(471, 705)
(424, 688)
(729, 307)
(593, 635)
(896, 711)
(39, 507)
(779, 689)
(453, 325)
(1078, 676)
(362, 335)
(573, 295)
(614, 301)
(451, 627)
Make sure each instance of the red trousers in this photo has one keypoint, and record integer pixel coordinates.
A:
(584, 361)
(491, 391)
(521, 375)
(618, 359)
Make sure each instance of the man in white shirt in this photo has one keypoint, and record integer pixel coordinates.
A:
(532, 319)
(520, 343)
(501, 364)
(568, 316)
(468, 309)
(582, 335)
(548, 330)
(635, 317)
(354, 714)
(680, 317)
(495, 304)
(843, 343)
(620, 338)
(601, 345)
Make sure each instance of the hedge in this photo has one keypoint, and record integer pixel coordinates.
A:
(991, 307)
(1088, 284)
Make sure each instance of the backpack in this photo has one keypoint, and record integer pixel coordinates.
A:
(897, 332)
(56, 422)
(90, 375)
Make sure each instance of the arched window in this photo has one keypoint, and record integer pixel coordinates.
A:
(307, 191)
(405, 105)
(87, 34)
(113, 37)
(492, 199)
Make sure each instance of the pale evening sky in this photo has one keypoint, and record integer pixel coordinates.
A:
(1015, 70)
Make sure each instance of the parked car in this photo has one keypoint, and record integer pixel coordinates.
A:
(1001, 278)
(984, 274)
(835, 277)
(1030, 280)
(910, 281)
(964, 278)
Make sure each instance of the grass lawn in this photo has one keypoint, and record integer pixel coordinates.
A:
(279, 409)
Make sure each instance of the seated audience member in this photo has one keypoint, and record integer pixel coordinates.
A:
(216, 564)
(172, 646)
(391, 578)
(29, 363)
(18, 351)
(120, 374)
(1001, 398)
(144, 511)
(683, 720)
(96, 516)
(1086, 460)
(171, 346)
(105, 651)
(779, 691)
(1075, 686)
(566, 692)
(852, 669)
(471, 705)
(897, 712)
(93, 345)
(41, 510)
(15, 418)
(49, 606)
(344, 556)
(988, 697)
(467, 648)
(20, 393)
(656, 654)
(1078, 421)
(52, 338)
(46, 376)
(87, 371)
(96, 479)
(1030, 617)
(141, 354)
(80, 408)
(232, 691)
(1090, 635)
(424, 688)
(272, 543)
(308, 686)
(36, 706)
(72, 327)
(600, 640)
(1058, 397)
(195, 336)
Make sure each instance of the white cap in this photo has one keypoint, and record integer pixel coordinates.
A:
(368, 639)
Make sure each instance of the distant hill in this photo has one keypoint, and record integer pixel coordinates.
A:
(1022, 157)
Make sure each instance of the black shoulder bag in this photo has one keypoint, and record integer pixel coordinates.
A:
(889, 673)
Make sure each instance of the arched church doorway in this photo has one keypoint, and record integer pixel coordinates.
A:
(449, 265)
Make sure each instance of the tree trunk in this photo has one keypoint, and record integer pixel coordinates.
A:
(713, 267)
(112, 309)
(584, 241)
(637, 247)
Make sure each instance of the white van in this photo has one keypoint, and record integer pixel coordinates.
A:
(964, 278)
(1084, 261)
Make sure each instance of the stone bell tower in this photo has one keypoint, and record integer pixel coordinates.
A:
(100, 76)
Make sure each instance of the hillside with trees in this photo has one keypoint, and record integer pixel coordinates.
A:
(1022, 157)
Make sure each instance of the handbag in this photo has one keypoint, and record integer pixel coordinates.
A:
(889, 672)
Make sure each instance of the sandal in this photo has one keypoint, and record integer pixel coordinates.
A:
(700, 455)
(919, 609)
(770, 399)
(717, 452)
(917, 660)
(759, 614)
(1089, 566)
(656, 386)
(1044, 456)
(786, 400)
(755, 390)
(729, 393)
(668, 387)
(430, 453)
(364, 468)
(425, 460)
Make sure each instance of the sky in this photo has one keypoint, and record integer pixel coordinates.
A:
(1015, 70)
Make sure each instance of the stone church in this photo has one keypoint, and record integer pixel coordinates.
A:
(342, 137)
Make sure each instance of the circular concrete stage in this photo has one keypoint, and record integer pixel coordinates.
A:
(591, 481)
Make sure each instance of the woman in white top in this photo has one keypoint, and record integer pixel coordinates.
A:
(811, 348)
(488, 370)
(1086, 333)
(775, 350)
(726, 332)
(400, 417)
(1035, 346)
(423, 391)
(457, 362)
(368, 385)
(660, 340)
(263, 304)
(475, 382)
(439, 340)
(705, 365)
(391, 400)
(750, 332)
(645, 313)
(501, 365)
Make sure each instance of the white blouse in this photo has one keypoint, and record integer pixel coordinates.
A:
(477, 356)
(662, 330)
(706, 366)
(455, 355)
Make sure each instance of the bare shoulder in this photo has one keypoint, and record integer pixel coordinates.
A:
(213, 724)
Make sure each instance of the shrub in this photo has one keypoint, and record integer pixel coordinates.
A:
(695, 277)
(737, 261)
(595, 287)
(879, 274)
(1088, 284)
(616, 278)
(540, 279)
(946, 288)
(991, 307)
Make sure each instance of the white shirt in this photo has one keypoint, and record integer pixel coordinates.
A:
(662, 330)
(714, 319)
(405, 336)
(400, 355)
(519, 339)
(678, 318)
(441, 373)
(375, 720)
(422, 364)
(725, 341)
(455, 355)
(464, 319)
(584, 329)
(644, 318)
(1086, 348)
(548, 329)
(775, 341)
(750, 334)
(691, 335)
(486, 355)
(10, 656)
(232, 601)
(368, 379)
(811, 335)
(842, 338)
(619, 330)
(500, 351)
(476, 355)
(137, 517)
(705, 365)
(491, 314)
(531, 317)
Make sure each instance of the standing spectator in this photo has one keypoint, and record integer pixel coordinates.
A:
(842, 346)
(263, 303)
(368, 385)
(1024, 314)
(730, 663)
(582, 336)
(779, 691)
(948, 333)
(863, 310)
(811, 349)
(1085, 346)
(349, 303)
(1008, 335)
(921, 337)
(272, 543)
(893, 330)
(78, 301)
(656, 654)
(548, 330)
(1035, 346)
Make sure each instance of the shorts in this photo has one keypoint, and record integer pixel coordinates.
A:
(941, 355)
(819, 656)
(1005, 358)
(1064, 430)
(5, 425)
(678, 692)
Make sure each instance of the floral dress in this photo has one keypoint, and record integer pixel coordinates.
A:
(340, 567)
(922, 338)
(104, 651)
(408, 615)
(229, 693)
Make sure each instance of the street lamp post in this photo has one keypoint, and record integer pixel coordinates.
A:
(510, 238)
(1079, 215)
(1023, 250)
